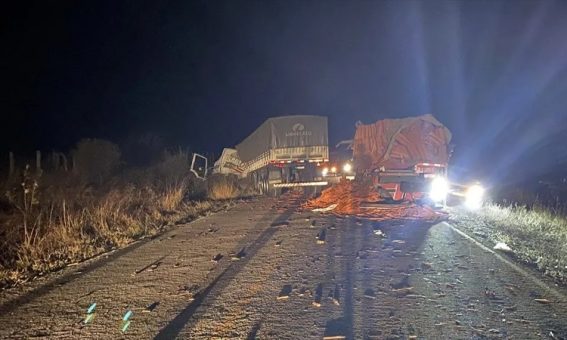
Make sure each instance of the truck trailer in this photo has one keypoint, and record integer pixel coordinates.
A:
(283, 152)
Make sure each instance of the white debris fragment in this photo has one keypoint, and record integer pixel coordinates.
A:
(502, 246)
(379, 232)
(329, 208)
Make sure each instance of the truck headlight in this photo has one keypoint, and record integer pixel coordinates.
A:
(474, 196)
(325, 171)
(333, 169)
(439, 189)
(347, 168)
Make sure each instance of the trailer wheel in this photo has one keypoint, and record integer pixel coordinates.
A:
(276, 192)
(259, 183)
(265, 187)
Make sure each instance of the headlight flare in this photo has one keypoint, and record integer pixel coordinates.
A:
(439, 189)
(474, 197)
(347, 168)
(325, 171)
(334, 169)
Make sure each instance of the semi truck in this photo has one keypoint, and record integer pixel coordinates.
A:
(406, 159)
(339, 167)
(283, 152)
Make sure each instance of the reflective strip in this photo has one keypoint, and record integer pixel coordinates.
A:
(300, 184)
(430, 164)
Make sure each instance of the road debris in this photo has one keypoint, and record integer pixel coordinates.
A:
(217, 258)
(284, 293)
(379, 233)
(150, 267)
(126, 321)
(90, 313)
(491, 294)
(321, 236)
(239, 255)
(502, 246)
(151, 307)
(318, 295)
(329, 208)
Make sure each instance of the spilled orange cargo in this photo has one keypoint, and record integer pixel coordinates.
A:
(348, 196)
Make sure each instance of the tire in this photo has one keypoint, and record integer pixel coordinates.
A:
(276, 192)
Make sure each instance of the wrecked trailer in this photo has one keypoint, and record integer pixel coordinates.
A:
(283, 152)
(406, 159)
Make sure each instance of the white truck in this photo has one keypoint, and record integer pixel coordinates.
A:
(283, 152)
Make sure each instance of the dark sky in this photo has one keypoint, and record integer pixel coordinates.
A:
(204, 74)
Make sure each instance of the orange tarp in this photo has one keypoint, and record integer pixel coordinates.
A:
(401, 143)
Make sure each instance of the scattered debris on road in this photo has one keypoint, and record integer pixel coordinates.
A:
(239, 255)
(329, 208)
(217, 258)
(369, 293)
(284, 293)
(150, 267)
(318, 295)
(150, 308)
(321, 236)
(502, 246)
(379, 233)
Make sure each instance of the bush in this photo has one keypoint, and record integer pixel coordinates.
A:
(173, 167)
(95, 159)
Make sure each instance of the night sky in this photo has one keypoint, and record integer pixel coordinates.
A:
(204, 74)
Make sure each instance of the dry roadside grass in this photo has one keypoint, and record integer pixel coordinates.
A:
(223, 188)
(47, 237)
(49, 220)
(536, 234)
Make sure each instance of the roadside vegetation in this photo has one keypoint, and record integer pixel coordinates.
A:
(535, 229)
(50, 218)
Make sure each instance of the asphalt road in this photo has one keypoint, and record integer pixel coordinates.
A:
(258, 270)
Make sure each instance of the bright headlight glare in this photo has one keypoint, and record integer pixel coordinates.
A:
(333, 169)
(474, 196)
(439, 189)
(325, 171)
(347, 167)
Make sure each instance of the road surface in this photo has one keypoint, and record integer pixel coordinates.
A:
(258, 270)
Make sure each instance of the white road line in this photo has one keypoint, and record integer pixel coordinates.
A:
(560, 296)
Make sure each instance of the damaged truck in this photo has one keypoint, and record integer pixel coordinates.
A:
(283, 152)
(406, 159)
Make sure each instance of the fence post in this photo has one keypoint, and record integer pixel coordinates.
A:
(74, 163)
(64, 158)
(12, 164)
(38, 160)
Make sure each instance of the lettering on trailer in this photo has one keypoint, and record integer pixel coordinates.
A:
(298, 129)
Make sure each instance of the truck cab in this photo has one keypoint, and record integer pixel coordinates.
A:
(340, 164)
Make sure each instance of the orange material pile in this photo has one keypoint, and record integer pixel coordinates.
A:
(349, 195)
